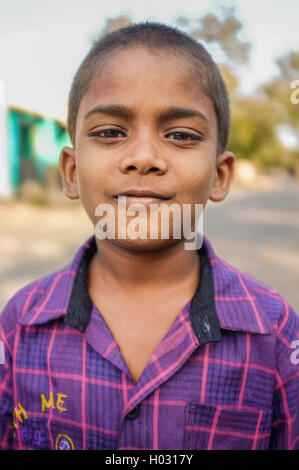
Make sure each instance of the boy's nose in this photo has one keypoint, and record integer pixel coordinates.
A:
(143, 157)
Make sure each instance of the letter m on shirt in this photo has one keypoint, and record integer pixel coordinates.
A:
(49, 403)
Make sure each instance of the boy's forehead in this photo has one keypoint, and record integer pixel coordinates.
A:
(151, 61)
(138, 67)
(147, 80)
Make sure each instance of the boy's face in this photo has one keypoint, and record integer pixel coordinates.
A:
(145, 140)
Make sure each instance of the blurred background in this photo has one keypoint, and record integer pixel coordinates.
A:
(256, 46)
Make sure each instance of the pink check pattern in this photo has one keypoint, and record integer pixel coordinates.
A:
(63, 388)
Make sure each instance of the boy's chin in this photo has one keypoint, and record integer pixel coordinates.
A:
(148, 244)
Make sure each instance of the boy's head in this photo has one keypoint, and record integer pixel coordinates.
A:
(148, 110)
(156, 37)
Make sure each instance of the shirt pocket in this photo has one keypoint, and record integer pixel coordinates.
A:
(223, 428)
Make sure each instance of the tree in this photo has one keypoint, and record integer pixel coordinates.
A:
(253, 132)
(279, 89)
(222, 32)
(112, 24)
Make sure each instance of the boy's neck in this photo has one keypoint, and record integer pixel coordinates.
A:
(138, 270)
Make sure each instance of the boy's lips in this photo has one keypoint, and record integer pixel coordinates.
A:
(143, 196)
(143, 193)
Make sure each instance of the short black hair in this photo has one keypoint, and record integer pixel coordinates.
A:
(157, 36)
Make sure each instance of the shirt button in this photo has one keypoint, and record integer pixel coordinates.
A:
(133, 413)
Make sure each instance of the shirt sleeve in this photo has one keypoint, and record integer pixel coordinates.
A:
(7, 329)
(285, 424)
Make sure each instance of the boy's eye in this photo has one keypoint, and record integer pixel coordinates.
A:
(113, 133)
(182, 136)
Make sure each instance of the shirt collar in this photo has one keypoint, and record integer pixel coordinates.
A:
(203, 315)
(237, 307)
(222, 299)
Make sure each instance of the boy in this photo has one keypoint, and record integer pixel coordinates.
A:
(139, 343)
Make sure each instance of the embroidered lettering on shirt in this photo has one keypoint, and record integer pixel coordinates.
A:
(60, 401)
(31, 436)
(34, 435)
(19, 413)
(50, 402)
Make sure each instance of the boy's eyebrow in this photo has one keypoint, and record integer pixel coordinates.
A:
(172, 112)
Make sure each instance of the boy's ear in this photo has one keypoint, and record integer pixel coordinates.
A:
(68, 172)
(223, 177)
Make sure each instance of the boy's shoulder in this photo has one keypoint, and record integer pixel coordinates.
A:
(37, 297)
(45, 298)
(246, 303)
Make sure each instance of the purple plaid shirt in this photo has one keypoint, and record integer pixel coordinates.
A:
(225, 376)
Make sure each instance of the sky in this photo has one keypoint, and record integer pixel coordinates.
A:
(42, 43)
